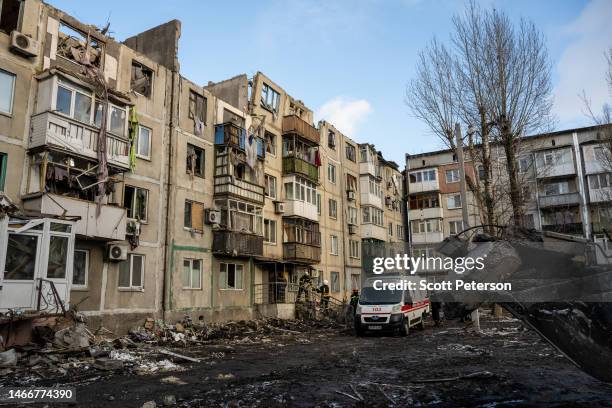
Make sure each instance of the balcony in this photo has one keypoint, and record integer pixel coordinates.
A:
(423, 186)
(559, 200)
(233, 243)
(424, 213)
(599, 227)
(227, 185)
(50, 129)
(301, 253)
(230, 134)
(295, 165)
(368, 198)
(370, 168)
(110, 224)
(600, 195)
(373, 231)
(295, 125)
(296, 208)
(571, 228)
(427, 237)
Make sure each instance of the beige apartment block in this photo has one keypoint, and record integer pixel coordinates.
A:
(217, 198)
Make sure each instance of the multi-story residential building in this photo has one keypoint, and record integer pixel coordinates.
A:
(565, 187)
(172, 198)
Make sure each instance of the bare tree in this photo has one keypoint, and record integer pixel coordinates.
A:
(431, 94)
(519, 85)
(495, 78)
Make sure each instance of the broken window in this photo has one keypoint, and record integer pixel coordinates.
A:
(270, 99)
(142, 79)
(270, 140)
(135, 201)
(80, 268)
(78, 47)
(21, 257)
(197, 106)
(7, 91)
(131, 272)
(10, 10)
(195, 160)
(194, 216)
(230, 276)
(58, 257)
(351, 153)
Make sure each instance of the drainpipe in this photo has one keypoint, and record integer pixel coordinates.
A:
(167, 250)
(407, 204)
(583, 201)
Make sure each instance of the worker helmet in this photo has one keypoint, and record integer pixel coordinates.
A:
(326, 282)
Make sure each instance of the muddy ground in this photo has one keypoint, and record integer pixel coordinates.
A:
(442, 367)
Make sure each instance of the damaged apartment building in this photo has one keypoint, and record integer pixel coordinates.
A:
(129, 190)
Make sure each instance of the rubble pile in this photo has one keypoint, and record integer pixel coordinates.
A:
(74, 354)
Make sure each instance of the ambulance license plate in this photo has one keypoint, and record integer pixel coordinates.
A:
(378, 327)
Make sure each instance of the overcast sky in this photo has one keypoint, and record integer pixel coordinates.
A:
(350, 60)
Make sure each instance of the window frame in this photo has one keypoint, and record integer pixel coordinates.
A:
(236, 265)
(351, 147)
(333, 209)
(190, 113)
(138, 153)
(268, 91)
(191, 270)
(267, 189)
(452, 172)
(143, 67)
(334, 281)
(331, 171)
(133, 204)
(12, 93)
(333, 239)
(353, 249)
(85, 285)
(130, 259)
(196, 149)
(454, 196)
(267, 229)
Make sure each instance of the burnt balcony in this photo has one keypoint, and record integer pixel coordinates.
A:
(295, 165)
(228, 185)
(301, 253)
(230, 134)
(293, 124)
(234, 243)
(560, 200)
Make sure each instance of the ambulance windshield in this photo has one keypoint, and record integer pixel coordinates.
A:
(371, 296)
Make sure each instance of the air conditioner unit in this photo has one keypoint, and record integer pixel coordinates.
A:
(117, 251)
(350, 194)
(279, 207)
(24, 45)
(133, 228)
(212, 216)
(352, 229)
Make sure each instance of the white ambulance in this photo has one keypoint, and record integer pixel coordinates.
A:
(388, 310)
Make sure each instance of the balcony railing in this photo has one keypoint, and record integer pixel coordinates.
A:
(427, 237)
(570, 228)
(424, 213)
(302, 253)
(239, 188)
(232, 135)
(294, 124)
(559, 200)
(51, 129)
(599, 227)
(234, 243)
(295, 165)
(274, 292)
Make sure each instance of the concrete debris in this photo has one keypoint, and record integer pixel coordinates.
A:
(149, 404)
(8, 358)
(173, 380)
(76, 336)
(169, 400)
